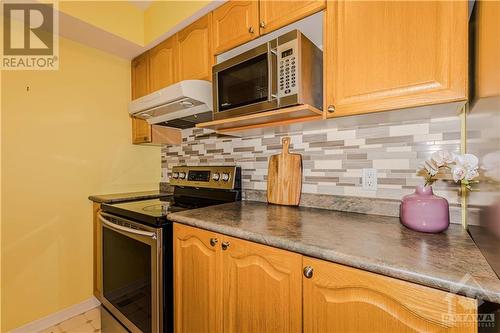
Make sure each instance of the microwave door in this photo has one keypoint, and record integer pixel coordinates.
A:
(245, 84)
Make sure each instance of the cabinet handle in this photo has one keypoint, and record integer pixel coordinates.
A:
(250, 30)
(308, 272)
(225, 245)
(213, 241)
(331, 108)
(262, 24)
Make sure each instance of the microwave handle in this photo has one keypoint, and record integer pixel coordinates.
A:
(272, 65)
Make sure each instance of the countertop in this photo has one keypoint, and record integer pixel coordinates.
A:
(123, 197)
(449, 261)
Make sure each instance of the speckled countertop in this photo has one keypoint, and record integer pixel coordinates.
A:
(122, 197)
(448, 261)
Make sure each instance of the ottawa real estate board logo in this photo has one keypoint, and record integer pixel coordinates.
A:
(30, 36)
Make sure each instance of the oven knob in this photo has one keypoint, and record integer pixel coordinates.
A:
(225, 177)
(216, 176)
(175, 175)
(182, 175)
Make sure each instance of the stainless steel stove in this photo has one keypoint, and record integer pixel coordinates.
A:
(135, 240)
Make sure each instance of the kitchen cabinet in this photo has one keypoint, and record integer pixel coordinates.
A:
(143, 133)
(235, 23)
(162, 64)
(197, 303)
(262, 288)
(96, 240)
(343, 299)
(487, 49)
(385, 55)
(254, 288)
(140, 75)
(225, 284)
(277, 14)
(194, 50)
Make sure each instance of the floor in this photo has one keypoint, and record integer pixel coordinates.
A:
(95, 320)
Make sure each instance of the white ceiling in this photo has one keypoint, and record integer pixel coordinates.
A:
(142, 4)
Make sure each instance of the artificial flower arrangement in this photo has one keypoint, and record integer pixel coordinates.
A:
(463, 168)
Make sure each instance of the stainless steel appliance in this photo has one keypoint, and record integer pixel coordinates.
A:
(135, 254)
(283, 72)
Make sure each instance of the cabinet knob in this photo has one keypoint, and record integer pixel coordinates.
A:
(225, 245)
(213, 241)
(250, 30)
(308, 272)
(331, 108)
(262, 24)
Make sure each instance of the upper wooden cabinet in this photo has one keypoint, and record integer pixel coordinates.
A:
(262, 288)
(162, 64)
(196, 280)
(487, 48)
(343, 299)
(277, 14)
(194, 50)
(140, 75)
(384, 55)
(235, 23)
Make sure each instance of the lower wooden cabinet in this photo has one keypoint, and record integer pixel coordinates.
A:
(196, 280)
(262, 288)
(225, 284)
(338, 298)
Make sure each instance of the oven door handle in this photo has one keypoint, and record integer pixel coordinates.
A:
(125, 229)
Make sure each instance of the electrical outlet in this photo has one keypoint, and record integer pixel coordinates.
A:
(370, 179)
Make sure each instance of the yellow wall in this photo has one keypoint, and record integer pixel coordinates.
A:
(117, 17)
(65, 138)
(162, 16)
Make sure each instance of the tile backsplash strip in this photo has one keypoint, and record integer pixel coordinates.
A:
(334, 156)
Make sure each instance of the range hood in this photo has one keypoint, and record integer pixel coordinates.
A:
(181, 105)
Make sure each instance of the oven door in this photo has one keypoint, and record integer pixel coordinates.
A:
(246, 83)
(131, 272)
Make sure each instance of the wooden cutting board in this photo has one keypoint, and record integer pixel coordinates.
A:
(284, 177)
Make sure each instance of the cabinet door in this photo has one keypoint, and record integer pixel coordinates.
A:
(141, 131)
(343, 299)
(261, 288)
(162, 64)
(235, 23)
(197, 302)
(276, 14)
(140, 76)
(487, 57)
(194, 50)
(383, 55)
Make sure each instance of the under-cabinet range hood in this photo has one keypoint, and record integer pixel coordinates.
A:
(181, 105)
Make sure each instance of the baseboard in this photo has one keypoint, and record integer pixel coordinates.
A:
(57, 317)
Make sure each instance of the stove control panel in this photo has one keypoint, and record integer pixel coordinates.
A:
(217, 177)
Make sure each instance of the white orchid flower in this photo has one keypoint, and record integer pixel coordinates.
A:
(442, 157)
(458, 172)
(465, 167)
(431, 167)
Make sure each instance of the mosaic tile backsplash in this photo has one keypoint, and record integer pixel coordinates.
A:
(333, 156)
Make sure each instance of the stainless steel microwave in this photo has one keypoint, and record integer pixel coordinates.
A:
(283, 72)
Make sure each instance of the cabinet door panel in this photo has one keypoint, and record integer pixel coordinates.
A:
(194, 50)
(277, 14)
(343, 299)
(261, 288)
(384, 55)
(233, 24)
(197, 302)
(162, 62)
(140, 76)
(141, 131)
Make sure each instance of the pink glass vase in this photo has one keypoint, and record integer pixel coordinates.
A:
(425, 212)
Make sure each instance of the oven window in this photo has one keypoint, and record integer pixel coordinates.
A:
(126, 268)
(243, 84)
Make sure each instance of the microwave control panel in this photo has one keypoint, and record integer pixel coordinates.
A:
(288, 64)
